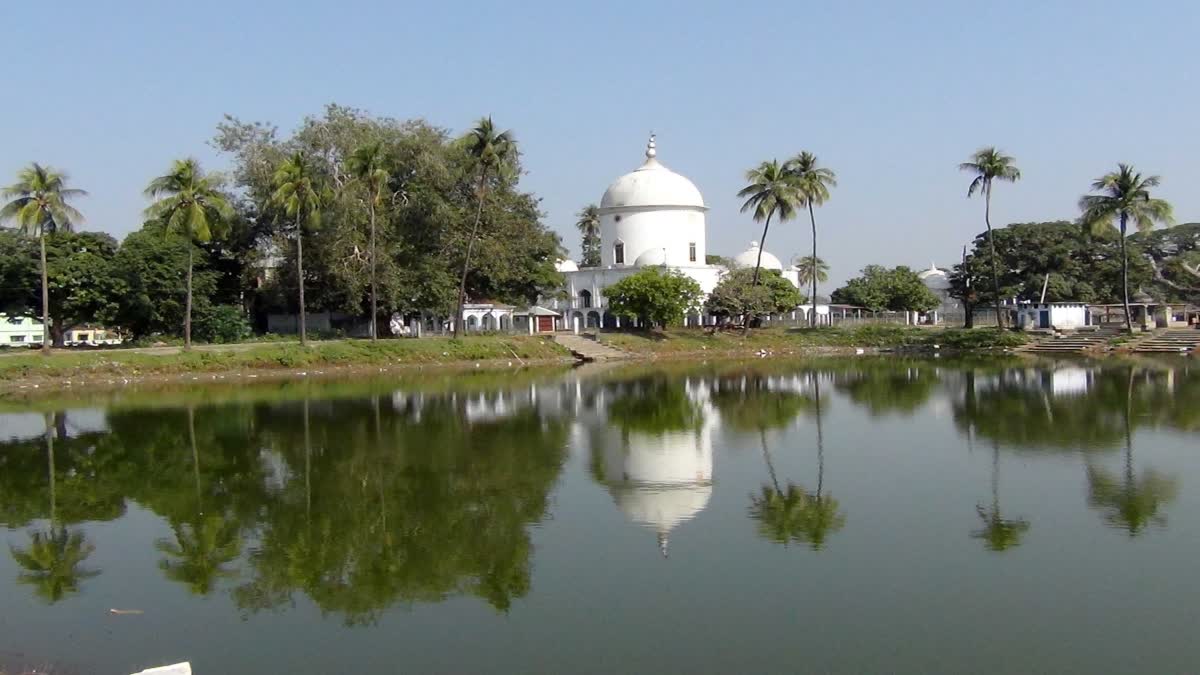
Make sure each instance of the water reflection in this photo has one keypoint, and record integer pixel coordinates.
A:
(655, 455)
(998, 533)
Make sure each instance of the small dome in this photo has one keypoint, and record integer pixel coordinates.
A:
(651, 257)
(1142, 297)
(566, 266)
(652, 184)
(935, 279)
(749, 258)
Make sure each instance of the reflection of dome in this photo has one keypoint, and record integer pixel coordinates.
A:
(651, 257)
(935, 279)
(659, 481)
(566, 266)
(749, 258)
(651, 184)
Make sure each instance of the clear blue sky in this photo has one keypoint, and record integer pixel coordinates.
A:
(892, 95)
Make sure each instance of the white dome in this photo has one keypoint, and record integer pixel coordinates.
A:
(749, 258)
(651, 257)
(934, 279)
(566, 266)
(651, 184)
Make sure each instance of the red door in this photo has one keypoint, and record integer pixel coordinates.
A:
(545, 324)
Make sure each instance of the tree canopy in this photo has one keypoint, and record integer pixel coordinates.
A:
(653, 296)
(736, 295)
(879, 288)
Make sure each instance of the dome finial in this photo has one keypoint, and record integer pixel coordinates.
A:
(651, 151)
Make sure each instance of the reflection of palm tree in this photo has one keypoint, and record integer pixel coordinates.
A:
(998, 533)
(794, 514)
(52, 562)
(1131, 504)
(200, 551)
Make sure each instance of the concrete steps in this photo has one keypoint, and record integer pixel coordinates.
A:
(1074, 343)
(1170, 341)
(588, 349)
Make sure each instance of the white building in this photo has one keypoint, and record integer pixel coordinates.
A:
(20, 331)
(651, 216)
(937, 279)
(1053, 315)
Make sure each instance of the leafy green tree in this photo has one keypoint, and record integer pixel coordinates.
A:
(40, 206)
(189, 203)
(1173, 255)
(1124, 197)
(494, 154)
(589, 227)
(771, 192)
(812, 270)
(1067, 261)
(654, 297)
(990, 165)
(300, 197)
(812, 183)
(147, 264)
(736, 295)
(369, 165)
(879, 288)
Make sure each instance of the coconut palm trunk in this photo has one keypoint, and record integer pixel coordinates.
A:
(300, 279)
(46, 341)
(812, 317)
(762, 243)
(187, 309)
(374, 280)
(987, 218)
(462, 284)
(50, 426)
(1125, 276)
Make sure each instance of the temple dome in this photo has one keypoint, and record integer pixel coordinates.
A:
(749, 258)
(935, 278)
(566, 266)
(651, 257)
(651, 184)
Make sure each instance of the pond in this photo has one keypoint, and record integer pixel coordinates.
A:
(841, 516)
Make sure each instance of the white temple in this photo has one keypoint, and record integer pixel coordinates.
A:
(651, 216)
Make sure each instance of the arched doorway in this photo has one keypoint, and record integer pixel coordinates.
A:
(489, 322)
(593, 319)
(610, 320)
(472, 323)
(505, 322)
(585, 299)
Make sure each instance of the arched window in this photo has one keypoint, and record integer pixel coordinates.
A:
(692, 252)
(585, 299)
(619, 253)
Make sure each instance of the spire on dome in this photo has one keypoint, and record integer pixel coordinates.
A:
(651, 151)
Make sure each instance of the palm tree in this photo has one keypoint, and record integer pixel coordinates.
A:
(368, 164)
(297, 193)
(200, 552)
(189, 203)
(1125, 196)
(771, 193)
(813, 183)
(989, 165)
(812, 271)
(493, 153)
(998, 533)
(589, 227)
(39, 206)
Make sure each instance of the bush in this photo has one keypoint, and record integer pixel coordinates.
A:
(220, 323)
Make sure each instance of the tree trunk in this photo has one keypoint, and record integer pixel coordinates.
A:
(987, 217)
(300, 278)
(462, 284)
(58, 334)
(762, 437)
(1125, 276)
(45, 297)
(812, 316)
(820, 437)
(374, 307)
(187, 308)
(762, 242)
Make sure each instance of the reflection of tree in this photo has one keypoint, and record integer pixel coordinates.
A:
(884, 388)
(1129, 502)
(998, 533)
(794, 514)
(200, 552)
(749, 403)
(655, 405)
(52, 562)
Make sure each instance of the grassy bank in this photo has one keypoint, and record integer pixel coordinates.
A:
(686, 341)
(267, 356)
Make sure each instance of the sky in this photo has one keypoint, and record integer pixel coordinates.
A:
(891, 95)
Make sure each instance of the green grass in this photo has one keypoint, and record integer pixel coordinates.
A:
(690, 340)
(268, 356)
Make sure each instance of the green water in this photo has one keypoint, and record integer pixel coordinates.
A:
(843, 516)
